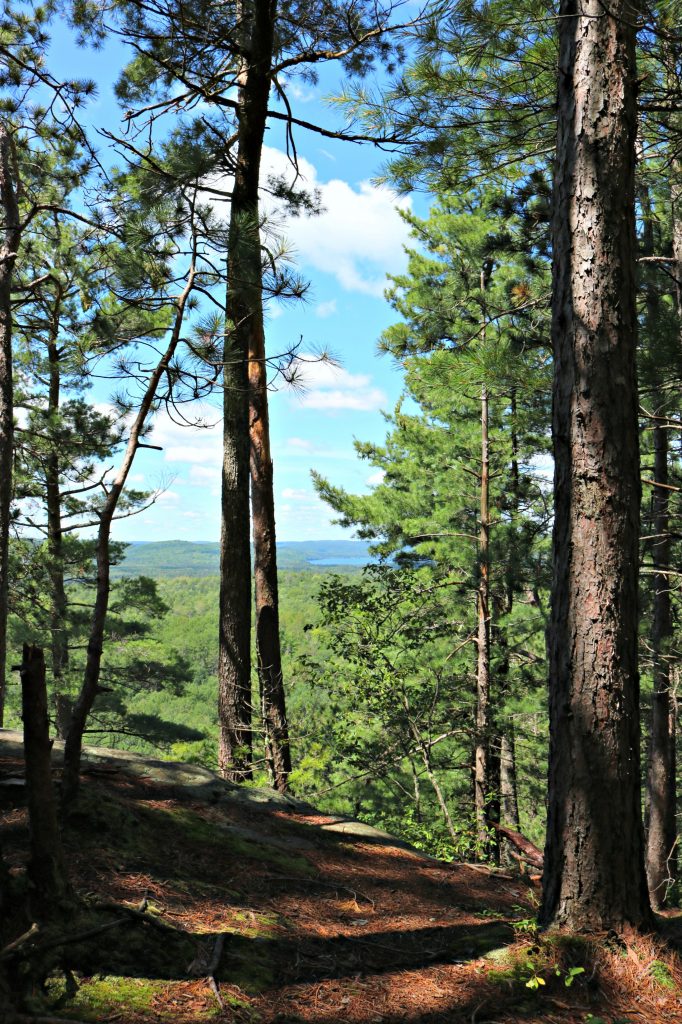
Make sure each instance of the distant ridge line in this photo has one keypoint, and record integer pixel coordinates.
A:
(202, 558)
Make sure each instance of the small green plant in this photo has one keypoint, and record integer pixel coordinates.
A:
(660, 973)
(535, 980)
(570, 975)
(526, 926)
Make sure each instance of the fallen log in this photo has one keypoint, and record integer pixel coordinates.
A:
(528, 851)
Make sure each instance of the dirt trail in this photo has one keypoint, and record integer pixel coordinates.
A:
(323, 919)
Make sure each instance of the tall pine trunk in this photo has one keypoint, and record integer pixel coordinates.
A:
(47, 867)
(509, 798)
(234, 647)
(247, 431)
(268, 647)
(59, 650)
(661, 791)
(661, 838)
(9, 243)
(594, 877)
(509, 801)
(482, 747)
(676, 193)
(265, 566)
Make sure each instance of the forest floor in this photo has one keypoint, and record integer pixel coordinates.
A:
(312, 919)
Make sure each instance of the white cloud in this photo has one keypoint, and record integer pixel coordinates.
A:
(169, 497)
(296, 494)
(302, 514)
(204, 474)
(359, 236)
(195, 445)
(299, 92)
(297, 448)
(376, 478)
(330, 387)
(299, 442)
(367, 401)
(326, 309)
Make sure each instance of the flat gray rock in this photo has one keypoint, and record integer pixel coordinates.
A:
(192, 782)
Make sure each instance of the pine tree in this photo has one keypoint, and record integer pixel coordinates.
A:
(58, 287)
(448, 467)
(168, 245)
(30, 132)
(659, 365)
(255, 48)
(594, 875)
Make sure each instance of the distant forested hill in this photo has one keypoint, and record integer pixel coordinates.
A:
(188, 558)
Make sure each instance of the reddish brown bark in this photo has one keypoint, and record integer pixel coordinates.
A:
(247, 431)
(234, 645)
(265, 567)
(486, 758)
(262, 490)
(594, 876)
(9, 244)
(529, 853)
(244, 308)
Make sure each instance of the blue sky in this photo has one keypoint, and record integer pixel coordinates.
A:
(345, 254)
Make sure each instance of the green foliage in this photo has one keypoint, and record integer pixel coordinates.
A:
(661, 974)
(570, 975)
(401, 676)
(475, 98)
(135, 662)
(99, 997)
(429, 833)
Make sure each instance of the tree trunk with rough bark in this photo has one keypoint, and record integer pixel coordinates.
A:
(58, 603)
(483, 766)
(677, 232)
(234, 646)
(481, 752)
(661, 838)
(243, 307)
(247, 439)
(46, 866)
(594, 877)
(9, 243)
(265, 567)
(268, 647)
(509, 803)
(661, 791)
(508, 787)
